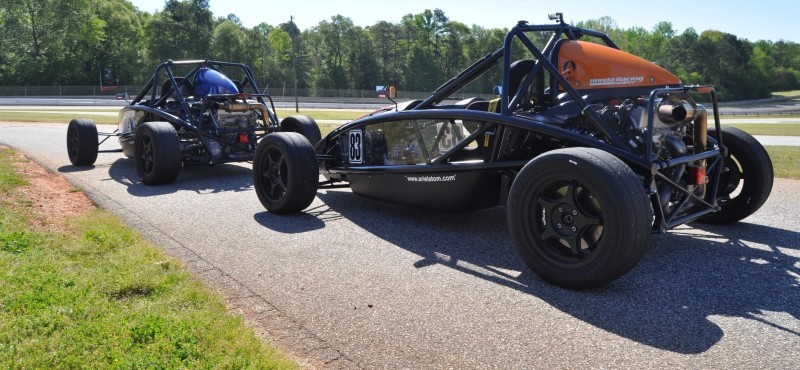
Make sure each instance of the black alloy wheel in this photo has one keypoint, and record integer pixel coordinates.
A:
(285, 173)
(579, 217)
(157, 153)
(82, 142)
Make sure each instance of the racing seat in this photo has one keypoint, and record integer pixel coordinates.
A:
(172, 104)
(184, 85)
(512, 138)
(239, 85)
(518, 72)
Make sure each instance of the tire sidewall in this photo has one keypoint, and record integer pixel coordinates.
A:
(623, 238)
(757, 181)
(303, 125)
(165, 152)
(84, 152)
(302, 173)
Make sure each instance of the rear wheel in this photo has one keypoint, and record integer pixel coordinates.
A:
(303, 125)
(285, 173)
(746, 180)
(82, 142)
(157, 153)
(579, 217)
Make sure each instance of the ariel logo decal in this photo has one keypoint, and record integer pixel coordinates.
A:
(568, 67)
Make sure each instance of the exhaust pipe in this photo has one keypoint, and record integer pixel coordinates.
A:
(241, 107)
(674, 111)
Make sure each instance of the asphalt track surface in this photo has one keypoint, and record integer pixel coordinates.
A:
(356, 283)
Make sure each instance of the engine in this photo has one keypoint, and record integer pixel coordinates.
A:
(232, 122)
(679, 129)
(679, 124)
(237, 128)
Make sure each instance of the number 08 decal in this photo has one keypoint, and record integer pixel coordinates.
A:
(355, 138)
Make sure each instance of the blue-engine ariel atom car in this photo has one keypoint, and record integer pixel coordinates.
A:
(194, 112)
(589, 148)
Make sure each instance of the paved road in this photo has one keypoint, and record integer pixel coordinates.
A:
(358, 283)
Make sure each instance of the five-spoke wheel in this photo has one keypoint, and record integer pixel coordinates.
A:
(82, 142)
(157, 153)
(285, 173)
(579, 217)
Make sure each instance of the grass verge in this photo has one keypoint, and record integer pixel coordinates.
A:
(44, 116)
(99, 296)
(787, 93)
(784, 161)
(60, 116)
(778, 129)
(325, 114)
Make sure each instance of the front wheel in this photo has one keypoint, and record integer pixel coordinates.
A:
(746, 180)
(82, 142)
(285, 173)
(157, 153)
(579, 217)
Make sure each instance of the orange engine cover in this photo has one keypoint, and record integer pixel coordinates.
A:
(591, 66)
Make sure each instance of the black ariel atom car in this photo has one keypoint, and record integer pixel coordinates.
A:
(189, 112)
(591, 150)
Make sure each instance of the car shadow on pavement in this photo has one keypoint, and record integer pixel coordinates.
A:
(74, 169)
(200, 179)
(311, 219)
(667, 301)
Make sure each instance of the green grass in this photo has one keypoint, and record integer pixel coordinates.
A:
(325, 114)
(56, 115)
(779, 129)
(99, 296)
(787, 93)
(759, 116)
(9, 178)
(784, 161)
(44, 116)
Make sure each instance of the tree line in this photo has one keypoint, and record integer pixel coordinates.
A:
(68, 42)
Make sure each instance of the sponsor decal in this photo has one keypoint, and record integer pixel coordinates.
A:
(431, 178)
(616, 81)
(544, 217)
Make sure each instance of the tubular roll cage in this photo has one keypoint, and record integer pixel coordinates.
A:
(651, 168)
(152, 86)
(192, 119)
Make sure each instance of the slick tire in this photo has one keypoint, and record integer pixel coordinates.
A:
(303, 125)
(746, 180)
(82, 142)
(579, 217)
(157, 153)
(285, 173)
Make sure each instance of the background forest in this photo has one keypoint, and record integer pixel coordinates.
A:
(68, 42)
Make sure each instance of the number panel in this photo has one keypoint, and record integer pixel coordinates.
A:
(356, 146)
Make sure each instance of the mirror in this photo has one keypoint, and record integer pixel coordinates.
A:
(389, 92)
(497, 90)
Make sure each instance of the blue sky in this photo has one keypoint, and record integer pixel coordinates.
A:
(754, 20)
